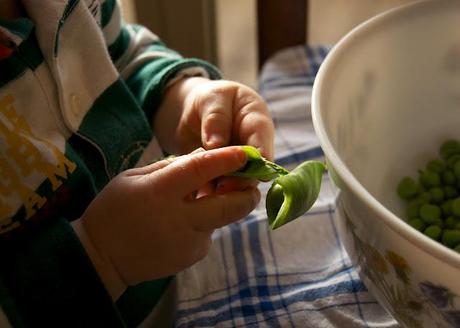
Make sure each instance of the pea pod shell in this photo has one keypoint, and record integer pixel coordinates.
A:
(257, 170)
(291, 195)
(258, 167)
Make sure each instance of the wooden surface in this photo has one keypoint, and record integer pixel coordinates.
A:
(185, 26)
(280, 24)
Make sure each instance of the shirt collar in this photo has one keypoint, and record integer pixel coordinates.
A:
(15, 31)
(12, 34)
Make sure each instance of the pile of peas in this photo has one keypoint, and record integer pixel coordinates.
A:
(433, 201)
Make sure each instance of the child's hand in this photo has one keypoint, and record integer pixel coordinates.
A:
(197, 112)
(148, 223)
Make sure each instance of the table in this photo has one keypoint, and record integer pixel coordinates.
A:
(298, 275)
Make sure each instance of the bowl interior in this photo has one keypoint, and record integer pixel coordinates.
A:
(391, 95)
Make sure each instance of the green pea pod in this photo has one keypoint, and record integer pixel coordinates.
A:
(291, 195)
(258, 167)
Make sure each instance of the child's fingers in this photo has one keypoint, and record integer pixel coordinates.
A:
(229, 184)
(158, 164)
(191, 172)
(209, 213)
(206, 190)
(151, 167)
(216, 121)
(223, 185)
(256, 129)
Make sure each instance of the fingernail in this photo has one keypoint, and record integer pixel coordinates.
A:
(242, 157)
(214, 140)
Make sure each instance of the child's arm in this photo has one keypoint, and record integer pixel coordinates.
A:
(144, 62)
(187, 112)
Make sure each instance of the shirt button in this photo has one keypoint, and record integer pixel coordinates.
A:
(75, 104)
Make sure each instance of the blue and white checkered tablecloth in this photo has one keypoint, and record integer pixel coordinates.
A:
(298, 275)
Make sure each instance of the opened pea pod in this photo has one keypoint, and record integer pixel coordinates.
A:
(291, 193)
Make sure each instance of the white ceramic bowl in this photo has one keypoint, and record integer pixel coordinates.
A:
(384, 100)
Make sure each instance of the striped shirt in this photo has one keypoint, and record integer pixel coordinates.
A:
(78, 91)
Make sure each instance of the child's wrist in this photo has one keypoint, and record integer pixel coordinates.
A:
(107, 272)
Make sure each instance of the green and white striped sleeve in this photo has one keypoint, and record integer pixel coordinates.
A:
(144, 61)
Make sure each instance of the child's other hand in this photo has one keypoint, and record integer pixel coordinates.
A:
(197, 112)
(148, 223)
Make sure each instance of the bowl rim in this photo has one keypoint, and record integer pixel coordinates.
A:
(395, 223)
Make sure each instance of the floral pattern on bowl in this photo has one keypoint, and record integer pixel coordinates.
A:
(390, 273)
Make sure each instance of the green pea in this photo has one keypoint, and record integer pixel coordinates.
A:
(436, 165)
(446, 208)
(433, 231)
(413, 206)
(452, 160)
(407, 188)
(429, 179)
(450, 238)
(433, 200)
(437, 195)
(449, 148)
(450, 192)
(417, 224)
(424, 197)
(413, 209)
(448, 178)
(456, 169)
(457, 248)
(430, 214)
(451, 222)
(456, 206)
